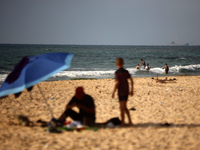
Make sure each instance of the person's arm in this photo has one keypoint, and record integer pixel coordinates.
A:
(132, 86)
(89, 106)
(115, 88)
(71, 103)
(89, 110)
(69, 106)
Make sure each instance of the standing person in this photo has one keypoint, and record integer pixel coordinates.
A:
(86, 106)
(121, 77)
(166, 69)
(143, 63)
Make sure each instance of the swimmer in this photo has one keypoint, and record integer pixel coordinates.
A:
(138, 66)
(166, 69)
(147, 67)
(143, 63)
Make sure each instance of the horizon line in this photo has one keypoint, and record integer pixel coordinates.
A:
(101, 44)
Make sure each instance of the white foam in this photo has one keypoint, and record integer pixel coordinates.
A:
(3, 77)
(177, 69)
(132, 70)
(99, 73)
(157, 70)
(77, 74)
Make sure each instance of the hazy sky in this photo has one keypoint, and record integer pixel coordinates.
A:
(109, 22)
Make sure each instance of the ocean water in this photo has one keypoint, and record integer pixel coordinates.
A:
(97, 61)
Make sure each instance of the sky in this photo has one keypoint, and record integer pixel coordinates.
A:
(100, 22)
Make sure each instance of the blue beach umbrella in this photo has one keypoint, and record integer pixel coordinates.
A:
(32, 70)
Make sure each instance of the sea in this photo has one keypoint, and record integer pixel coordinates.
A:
(98, 61)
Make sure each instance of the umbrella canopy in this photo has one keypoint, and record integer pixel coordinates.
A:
(32, 70)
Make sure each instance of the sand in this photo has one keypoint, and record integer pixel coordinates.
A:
(173, 104)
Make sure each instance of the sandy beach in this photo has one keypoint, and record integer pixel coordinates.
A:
(167, 116)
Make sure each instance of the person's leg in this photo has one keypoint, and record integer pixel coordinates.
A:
(70, 113)
(88, 121)
(128, 114)
(122, 109)
(62, 117)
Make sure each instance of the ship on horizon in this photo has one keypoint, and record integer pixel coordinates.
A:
(175, 44)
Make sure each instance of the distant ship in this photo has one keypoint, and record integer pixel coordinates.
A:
(175, 44)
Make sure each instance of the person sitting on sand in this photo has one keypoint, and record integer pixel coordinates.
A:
(138, 66)
(147, 67)
(86, 106)
(143, 63)
(166, 69)
(121, 77)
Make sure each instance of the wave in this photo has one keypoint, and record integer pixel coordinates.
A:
(189, 67)
(133, 71)
(100, 74)
(87, 74)
(176, 69)
(3, 77)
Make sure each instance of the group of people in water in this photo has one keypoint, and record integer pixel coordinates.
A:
(147, 67)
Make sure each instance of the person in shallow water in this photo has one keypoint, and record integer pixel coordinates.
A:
(147, 67)
(138, 66)
(143, 63)
(85, 104)
(166, 69)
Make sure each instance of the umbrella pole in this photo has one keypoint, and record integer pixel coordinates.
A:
(45, 100)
